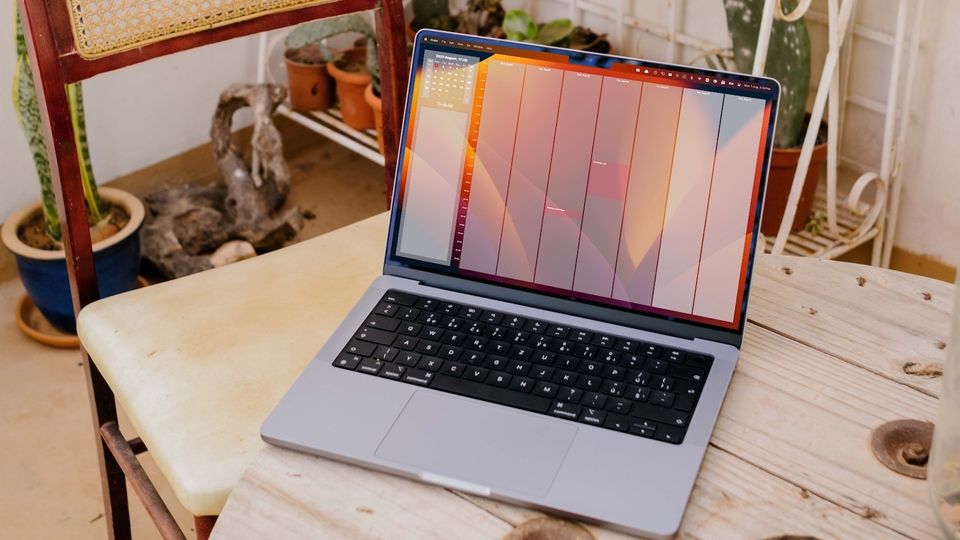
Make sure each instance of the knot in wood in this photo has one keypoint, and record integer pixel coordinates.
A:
(903, 446)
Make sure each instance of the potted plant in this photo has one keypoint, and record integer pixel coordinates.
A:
(518, 25)
(33, 233)
(350, 69)
(308, 81)
(788, 61)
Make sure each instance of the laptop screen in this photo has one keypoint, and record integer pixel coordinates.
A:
(613, 181)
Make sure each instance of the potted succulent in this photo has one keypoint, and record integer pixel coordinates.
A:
(350, 69)
(518, 25)
(308, 81)
(788, 61)
(33, 233)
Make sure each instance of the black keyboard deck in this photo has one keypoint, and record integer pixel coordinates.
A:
(601, 380)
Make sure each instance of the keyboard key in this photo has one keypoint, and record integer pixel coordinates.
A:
(513, 321)
(431, 334)
(471, 313)
(498, 347)
(475, 343)
(595, 400)
(370, 365)
(591, 368)
(567, 378)
(347, 361)
(430, 363)
(360, 348)
(451, 323)
(546, 389)
(673, 355)
(687, 373)
(540, 342)
(449, 352)
(408, 359)
(562, 346)
(518, 337)
(655, 366)
(615, 373)
(569, 394)
(542, 373)
(498, 363)
(375, 336)
(392, 371)
(387, 354)
(428, 347)
(493, 394)
(520, 353)
(613, 388)
(609, 357)
(407, 343)
(659, 414)
(698, 361)
(618, 405)
(475, 374)
(627, 345)
(568, 362)
(558, 331)
(522, 384)
(585, 351)
(491, 317)
(537, 327)
(652, 351)
(408, 313)
(638, 378)
(518, 367)
(586, 382)
(433, 319)
(593, 416)
(638, 394)
(386, 308)
(543, 357)
(633, 361)
(417, 376)
(663, 399)
(402, 298)
(454, 369)
(453, 338)
(581, 336)
(659, 382)
(617, 422)
(643, 431)
(473, 358)
(449, 309)
(410, 328)
(669, 434)
(381, 323)
(604, 341)
(427, 303)
(565, 410)
(474, 328)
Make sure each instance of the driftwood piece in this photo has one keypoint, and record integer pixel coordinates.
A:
(188, 224)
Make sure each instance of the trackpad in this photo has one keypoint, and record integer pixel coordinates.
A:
(480, 443)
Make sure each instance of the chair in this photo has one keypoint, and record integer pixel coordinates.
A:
(73, 40)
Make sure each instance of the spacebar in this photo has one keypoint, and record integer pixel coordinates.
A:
(490, 393)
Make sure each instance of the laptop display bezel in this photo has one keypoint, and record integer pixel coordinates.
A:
(432, 275)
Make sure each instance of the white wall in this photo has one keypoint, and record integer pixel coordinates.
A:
(135, 116)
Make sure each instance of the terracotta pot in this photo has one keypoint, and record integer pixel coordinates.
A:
(783, 165)
(376, 104)
(44, 272)
(350, 86)
(311, 87)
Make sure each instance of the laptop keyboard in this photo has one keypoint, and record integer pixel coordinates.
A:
(602, 380)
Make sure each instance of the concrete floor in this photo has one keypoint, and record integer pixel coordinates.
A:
(49, 480)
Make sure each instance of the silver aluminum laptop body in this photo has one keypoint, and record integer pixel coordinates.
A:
(585, 472)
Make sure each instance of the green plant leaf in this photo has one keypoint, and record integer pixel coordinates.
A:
(555, 31)
(519, 24)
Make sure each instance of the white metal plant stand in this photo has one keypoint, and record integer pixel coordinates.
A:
(850, 220)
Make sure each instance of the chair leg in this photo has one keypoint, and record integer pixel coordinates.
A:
(204, 526)
(394, 69)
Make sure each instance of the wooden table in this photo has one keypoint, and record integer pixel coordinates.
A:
(832, 350)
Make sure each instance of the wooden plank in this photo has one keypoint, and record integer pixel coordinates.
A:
(806, 417)
(891, 322)
(289, 495)
(734, 499)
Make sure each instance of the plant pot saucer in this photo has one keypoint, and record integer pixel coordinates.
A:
(33, 324)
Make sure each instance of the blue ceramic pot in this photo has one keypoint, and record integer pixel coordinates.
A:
(44, 273)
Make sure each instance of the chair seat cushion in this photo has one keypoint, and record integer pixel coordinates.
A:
(198, 363)
(101, 28)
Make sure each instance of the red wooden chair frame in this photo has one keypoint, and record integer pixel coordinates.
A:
(55, 64)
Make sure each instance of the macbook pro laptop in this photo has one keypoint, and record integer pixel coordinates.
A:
(565, 283)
